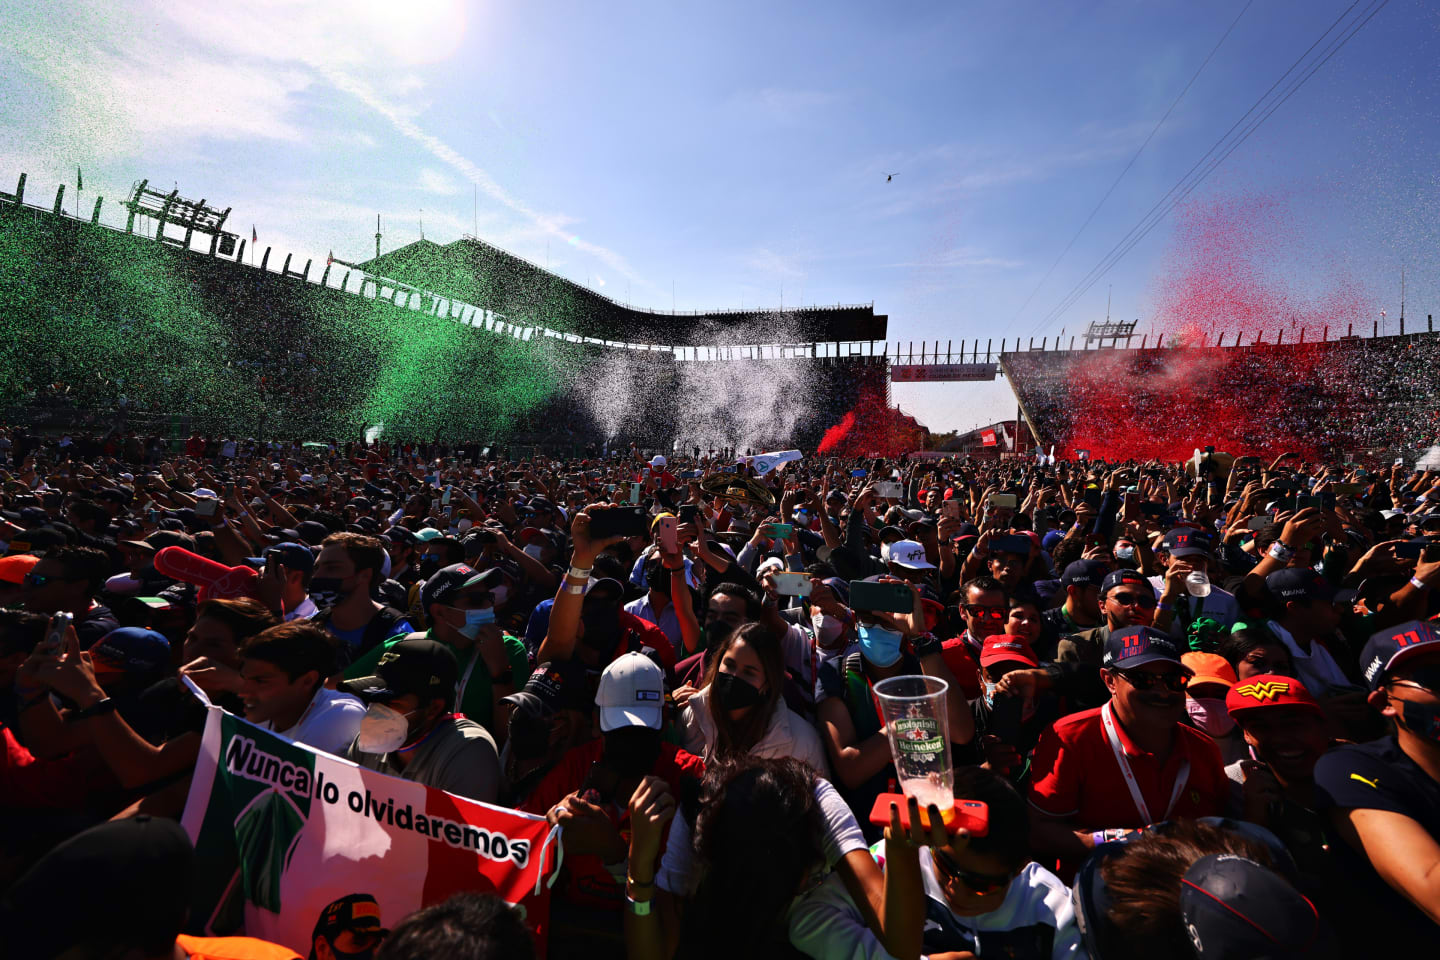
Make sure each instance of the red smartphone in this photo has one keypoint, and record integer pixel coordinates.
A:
(972, 815)
(665, 529)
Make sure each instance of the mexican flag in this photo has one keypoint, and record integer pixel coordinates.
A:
(282, 830)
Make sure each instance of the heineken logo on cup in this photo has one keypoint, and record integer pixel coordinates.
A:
(918, 727)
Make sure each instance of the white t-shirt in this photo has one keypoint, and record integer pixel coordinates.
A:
(1034, 921)
(330, 723)
(679, 873)
(1316, 669)
(786, 735)
(303, 611)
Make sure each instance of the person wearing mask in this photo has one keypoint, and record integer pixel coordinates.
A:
(284, 586)
(410, 729)
(460, 605)
(348, 929)
(282, 673)
(549, 717)
(1129, 763)
(951, 896)
(655, 607)
(1383, 797)
(740, 709)
(1211, 679)
(347, 568)
(68, 579)
(588, 793)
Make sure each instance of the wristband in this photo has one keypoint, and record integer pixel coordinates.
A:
(1165, 608)
(926, 644)
(574, 589)
(1419, 584)
(98, 709)
(639, 908)
(579, 573)
(1282, 552)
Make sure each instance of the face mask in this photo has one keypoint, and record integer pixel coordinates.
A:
(1210, 715)
(328, 591)
(475, 620)
(382, 729)
(427, 567)
(1126, 554)
(1421, 719)
(733, 693)
(529, 736)
(602, 629)
(500, 595)
(715, 633)
(827, 628)
(465, 524)
(880, 646)
(632, 751)
(367, 954)
(532, 550)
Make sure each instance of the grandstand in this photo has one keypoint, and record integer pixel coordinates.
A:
(1354, 398)
(106, 326)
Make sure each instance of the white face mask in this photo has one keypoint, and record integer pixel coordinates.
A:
(383, 729)
(827, 628)
(500, 593)
(532, 550)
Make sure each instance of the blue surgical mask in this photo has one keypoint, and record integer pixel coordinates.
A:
(880, 646)
(475, 620)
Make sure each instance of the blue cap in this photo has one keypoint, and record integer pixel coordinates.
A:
(840, 588)
(1137, 646)
(1085, 573)
(1124, 575)
(1185, 542)
(1392, 646)
(133, 650)
(296, 556)
(1297, 583)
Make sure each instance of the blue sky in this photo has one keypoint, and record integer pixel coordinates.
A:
(737, 150)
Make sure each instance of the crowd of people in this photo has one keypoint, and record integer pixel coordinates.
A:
(1336, 399)
(1199, 702)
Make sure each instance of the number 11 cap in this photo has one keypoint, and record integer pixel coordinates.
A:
(1392, 646)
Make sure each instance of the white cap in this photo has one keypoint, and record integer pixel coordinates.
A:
(631, 693)
(205, 492)
(908, 553)
(769, 563)
(657, 461)
(306, 478)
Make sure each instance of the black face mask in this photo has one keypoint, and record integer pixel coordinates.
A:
(602, 629)
(716, 633)
(632, 751)
(733, 693)
(529, 736)
(328, 591)
(427, 567)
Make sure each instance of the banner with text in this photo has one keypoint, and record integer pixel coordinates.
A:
(941, 372)
(282, 830)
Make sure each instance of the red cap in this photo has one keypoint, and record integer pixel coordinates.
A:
(933, 612)
(1268, 690)
(999, 649)
(949, 493)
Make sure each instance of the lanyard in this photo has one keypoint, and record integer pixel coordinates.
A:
(1181, 776)
(465, 679)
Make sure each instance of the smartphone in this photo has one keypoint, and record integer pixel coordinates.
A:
(689, 474)
(780, 531)
(950, 508)
(447, 510)
(634, 493)
(1004, 501)
(1152, 509)
(445, 497)
(54, 643)
(387, 505)
(1092, 497)
(609, 488)
(1005, 718)
(1410, 549)
(1347, 489)
(1302, 502)
(889, 490)
(793, 584)
(1013, 543)
(971, 815)
(618, 521)
(665, 529)
(688, 513)
(206, 507)
(882, 597)
(1261, 523)
(858, 472)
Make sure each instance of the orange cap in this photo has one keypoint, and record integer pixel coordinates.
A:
(1209, 668)
(13, 569)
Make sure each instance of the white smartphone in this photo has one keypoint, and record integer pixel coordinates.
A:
(793, 584)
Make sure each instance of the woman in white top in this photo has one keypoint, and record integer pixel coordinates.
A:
(740, 711)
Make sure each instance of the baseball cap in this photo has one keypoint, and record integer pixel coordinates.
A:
(423, 667)
(127, 650)
(1268, 690)
(606, 585)
(296, 556)
(13, 569)
(1393, 514)
(1117, 578)
(1236, 909)
(1185, 542)
(398, 534)
(1084, 573)
(657, 461)
(658, 517)
(556, 685)
(426, 534)
(312, 532)
(1294, 583)
(631, 693)
(1137, 646)
(358, 912)
(1208, 668)
(444, 584)
(909, 554)
(1392, 646)
(1004, 648)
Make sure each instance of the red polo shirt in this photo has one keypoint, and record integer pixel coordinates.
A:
(1076, 776)
(961, 661)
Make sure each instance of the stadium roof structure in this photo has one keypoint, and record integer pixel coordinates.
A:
(476, 272)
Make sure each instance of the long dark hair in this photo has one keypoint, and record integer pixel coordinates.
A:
(758, 836)
(736, 738)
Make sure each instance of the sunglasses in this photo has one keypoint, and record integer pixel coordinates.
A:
(987, 613)
(1127, 599)
(1426, 678)
(980, 884)
(1174, 681)
(40, 579)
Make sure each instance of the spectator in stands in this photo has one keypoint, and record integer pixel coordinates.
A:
(283, 672)
(348, 566)
(68, 580)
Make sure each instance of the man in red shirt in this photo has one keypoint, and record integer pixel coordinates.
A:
(1129, 763)
(588, 793)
